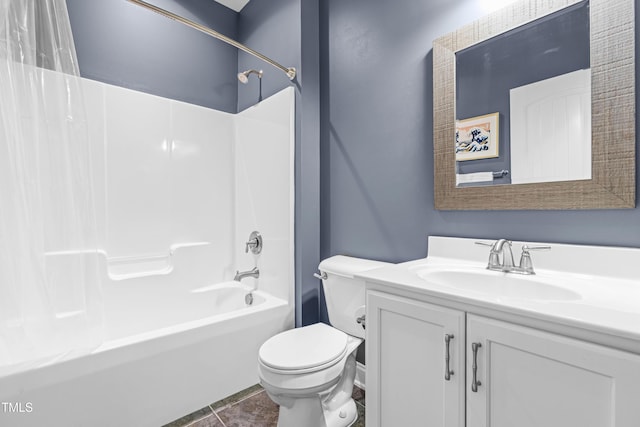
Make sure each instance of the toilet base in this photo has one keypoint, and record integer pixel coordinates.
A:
(308, 412)
(325, 402)
(346, 416)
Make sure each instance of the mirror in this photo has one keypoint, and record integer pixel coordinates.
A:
(536, 81)
(496, 84)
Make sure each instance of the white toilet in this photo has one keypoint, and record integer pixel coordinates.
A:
(309, 371)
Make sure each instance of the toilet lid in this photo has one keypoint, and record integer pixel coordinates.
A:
(303, 348)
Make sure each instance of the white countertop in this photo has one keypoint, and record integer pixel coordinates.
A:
(606, 281)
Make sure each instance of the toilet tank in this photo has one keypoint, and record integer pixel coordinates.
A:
(344, 293)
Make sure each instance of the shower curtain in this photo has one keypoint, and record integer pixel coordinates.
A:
(50, 301)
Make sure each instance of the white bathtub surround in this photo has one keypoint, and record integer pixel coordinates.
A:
(169, 188)
(174, 175)
(165, 179)
(48, 309)
(264, 191)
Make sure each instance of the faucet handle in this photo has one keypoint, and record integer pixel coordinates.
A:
(254, 243)
(485, 244)
(527, 248)
(526, 265)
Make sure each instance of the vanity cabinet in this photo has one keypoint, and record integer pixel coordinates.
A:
(515, 375)
(407, 363)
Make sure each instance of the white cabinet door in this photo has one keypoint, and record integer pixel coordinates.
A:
(407, 361)
(530, 378)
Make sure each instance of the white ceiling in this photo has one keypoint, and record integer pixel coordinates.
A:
(236, 5)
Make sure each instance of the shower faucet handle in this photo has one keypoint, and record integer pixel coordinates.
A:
(254, 243)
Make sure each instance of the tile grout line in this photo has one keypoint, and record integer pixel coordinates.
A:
(199, 419)
(229, 405)
(225, 407)
(217, 416)
(257, 392)
(219, 419)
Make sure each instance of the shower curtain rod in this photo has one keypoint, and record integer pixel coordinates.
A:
(289, 71)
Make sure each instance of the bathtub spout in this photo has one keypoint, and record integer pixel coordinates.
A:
(255, 273)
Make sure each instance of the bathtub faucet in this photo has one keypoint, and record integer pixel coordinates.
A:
(255, 273)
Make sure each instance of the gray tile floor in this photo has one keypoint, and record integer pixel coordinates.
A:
(248, 408)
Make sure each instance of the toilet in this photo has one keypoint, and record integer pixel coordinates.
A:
(309, 371)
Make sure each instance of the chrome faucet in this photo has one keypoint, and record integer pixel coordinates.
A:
(502, 250)
(254, 272)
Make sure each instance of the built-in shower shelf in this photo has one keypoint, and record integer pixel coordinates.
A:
(122, 268)
(130, 267)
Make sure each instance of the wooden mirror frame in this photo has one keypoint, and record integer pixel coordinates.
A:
(613, 137)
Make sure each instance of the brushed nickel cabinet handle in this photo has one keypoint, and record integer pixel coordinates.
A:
(447, 372)
(474, 380)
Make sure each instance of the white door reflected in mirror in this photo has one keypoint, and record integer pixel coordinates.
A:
(551, 129)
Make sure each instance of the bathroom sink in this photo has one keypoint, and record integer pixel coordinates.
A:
(506, 285)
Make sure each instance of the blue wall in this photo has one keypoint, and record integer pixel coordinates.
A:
(120, 43)
(273, 29)
(377, 141)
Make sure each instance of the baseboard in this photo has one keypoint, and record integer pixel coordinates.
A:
(360, 375)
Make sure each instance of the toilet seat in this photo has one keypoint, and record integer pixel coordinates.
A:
(304, 350)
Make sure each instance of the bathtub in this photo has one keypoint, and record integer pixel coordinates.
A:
(160, 361)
